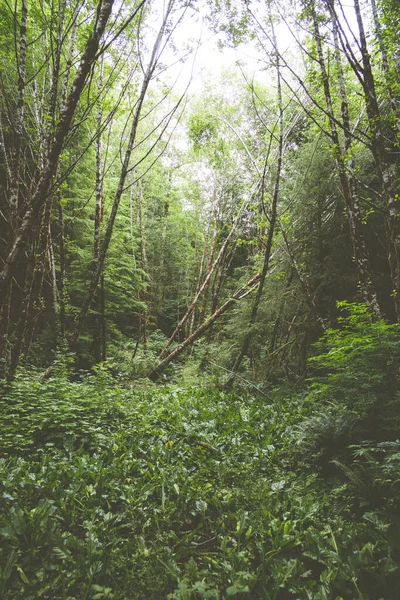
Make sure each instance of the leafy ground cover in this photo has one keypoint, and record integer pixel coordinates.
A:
(180, 494)
(184, 494)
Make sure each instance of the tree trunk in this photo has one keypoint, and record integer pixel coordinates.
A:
(142, 320)
(201, 289)
(271, 230)
(121, 184)
(348, 188)
(62, 279)
(238, 295)
(41, 193)
(381, 162)
(203, 308)
(98, 300)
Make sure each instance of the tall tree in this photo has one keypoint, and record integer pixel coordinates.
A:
(126, 166)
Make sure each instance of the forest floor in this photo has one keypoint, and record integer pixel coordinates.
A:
(185, 494)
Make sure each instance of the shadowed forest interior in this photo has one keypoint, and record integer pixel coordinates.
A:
(199, 299)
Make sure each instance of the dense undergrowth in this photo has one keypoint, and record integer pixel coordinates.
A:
(192, 493)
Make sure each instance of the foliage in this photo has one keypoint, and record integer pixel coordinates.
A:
(115, 487)
(355, 384)
(181, 494)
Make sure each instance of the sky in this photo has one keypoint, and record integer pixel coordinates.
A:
(208, 61)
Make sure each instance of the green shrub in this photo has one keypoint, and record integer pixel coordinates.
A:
(355, 385)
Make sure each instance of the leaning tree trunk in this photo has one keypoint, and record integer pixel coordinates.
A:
(42, 190)
(121, 184)
(203, 308)
(203, 287)
(238, 295)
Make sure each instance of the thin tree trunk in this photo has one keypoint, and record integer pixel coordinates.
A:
(103, 327)
(5, 315)
(271, 230)
(201, 290)
(62, 279)
(348, 188)
(41, 192)
(142, 334)
(61, 223)
(121, 184)
(53, 275)
(98, 300)
(381, 162)
(201, 271)
(203, 309)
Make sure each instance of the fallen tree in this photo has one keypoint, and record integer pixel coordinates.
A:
(244, 291)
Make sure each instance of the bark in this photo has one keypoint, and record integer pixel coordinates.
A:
(99, 300)
(121, 184)
(271, 230)
(4, 156)
(201, 289)
(42, 189)
(348, 187)
(381, 162)
(238, 295)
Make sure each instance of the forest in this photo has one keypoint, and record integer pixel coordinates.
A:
(199, 300)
